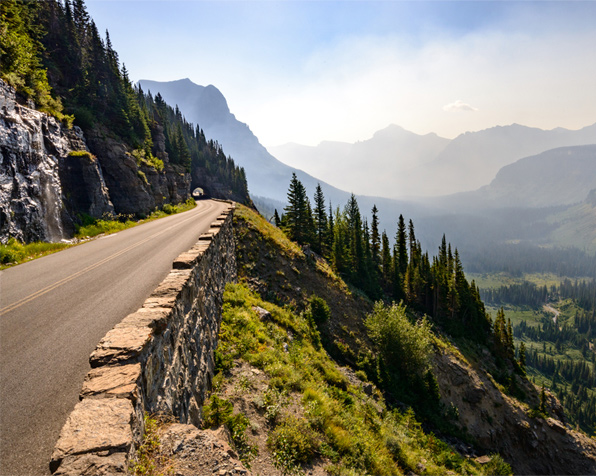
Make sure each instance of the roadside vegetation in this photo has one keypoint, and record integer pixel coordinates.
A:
(15, 252)
(301, 410)
(279, 388)
(149, 460)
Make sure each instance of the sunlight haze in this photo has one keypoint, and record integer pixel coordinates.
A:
(309, 71)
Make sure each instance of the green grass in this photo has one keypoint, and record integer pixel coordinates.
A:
(15, 252)
(337, 421)
(532, 317)
(496, 280)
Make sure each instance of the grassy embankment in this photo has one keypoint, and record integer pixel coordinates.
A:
(289, 407)
(15, 252)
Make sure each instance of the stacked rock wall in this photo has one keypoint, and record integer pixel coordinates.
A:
(159, 359)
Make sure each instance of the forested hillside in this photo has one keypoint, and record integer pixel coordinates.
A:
(54, 56)
(556, 326)
(364, 257)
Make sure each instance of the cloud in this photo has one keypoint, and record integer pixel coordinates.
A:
(458, 106)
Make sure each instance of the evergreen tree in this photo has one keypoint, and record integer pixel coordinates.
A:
(522, 357)
(386, 262)
(296, 213)
(320, 217)
(375, 238)
(400, 259)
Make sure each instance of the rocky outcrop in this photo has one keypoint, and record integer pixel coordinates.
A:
(44, 186)
(41, 187)
(501, 424)
(204, 452)
(159, 359)
(138, 189)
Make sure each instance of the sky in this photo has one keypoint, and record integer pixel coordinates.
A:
(306, 71)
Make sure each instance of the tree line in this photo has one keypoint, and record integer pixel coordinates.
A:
(363, 256)
(517, 259)
(571, 381)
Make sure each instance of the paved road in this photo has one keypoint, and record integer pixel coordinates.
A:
(54, 311)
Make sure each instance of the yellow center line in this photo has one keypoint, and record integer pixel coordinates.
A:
(63, 281)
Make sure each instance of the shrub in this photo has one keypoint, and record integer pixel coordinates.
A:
(318, 309)
(169, 209)
(404, 346)
(217, 411)
(82, 154)
(292, 443)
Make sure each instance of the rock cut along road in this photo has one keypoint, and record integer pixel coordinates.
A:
(54, 311)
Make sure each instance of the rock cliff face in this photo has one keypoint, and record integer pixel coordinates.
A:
(501, 424)
(41, 186)
(138, 189)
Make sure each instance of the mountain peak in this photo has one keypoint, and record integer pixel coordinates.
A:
(208, 100)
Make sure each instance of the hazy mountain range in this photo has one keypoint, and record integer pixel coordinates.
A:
(561, 176)
(501, 169)
(402, 164)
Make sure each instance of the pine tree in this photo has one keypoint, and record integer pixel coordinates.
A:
(522, 358)
(386, 262)
(375, 239)
(296, 212)
(400, 260)
(542, 407)
(320, 217)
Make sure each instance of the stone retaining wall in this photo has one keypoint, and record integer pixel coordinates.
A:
(159, 359)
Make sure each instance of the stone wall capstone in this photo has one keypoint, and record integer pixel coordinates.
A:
(159, 359)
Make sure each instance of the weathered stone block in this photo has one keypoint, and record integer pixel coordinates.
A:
(93, 465)
(119, 381)
(187, 260)
(95, 425)
(153, 317)
(120, 344)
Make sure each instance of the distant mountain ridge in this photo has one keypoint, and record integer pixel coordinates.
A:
(382, 161)
(473, 159)
(561, 176)
(410, 165)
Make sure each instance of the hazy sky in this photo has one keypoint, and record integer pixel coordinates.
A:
(312, 70)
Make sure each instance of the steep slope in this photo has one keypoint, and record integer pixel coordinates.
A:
(472, 159)
(533, 443)
(268, 178)
(207, 107)
(46, 175)
(376, 166)
(576, 226)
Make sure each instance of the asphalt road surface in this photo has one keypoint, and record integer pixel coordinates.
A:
(54, 311)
